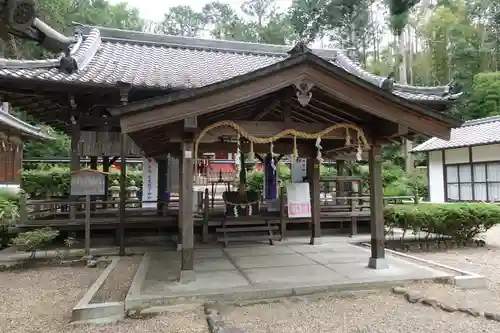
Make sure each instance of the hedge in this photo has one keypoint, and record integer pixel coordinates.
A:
(56, 181)
(461, 221)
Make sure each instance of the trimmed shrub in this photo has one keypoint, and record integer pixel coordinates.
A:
(32, 241)
(56, 181)
(460, 221)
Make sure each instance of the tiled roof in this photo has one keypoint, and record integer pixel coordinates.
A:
(109, 56)
(9, 122)
(471, 133)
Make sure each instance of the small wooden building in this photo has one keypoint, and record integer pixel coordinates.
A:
(13, 132)
(131, 93)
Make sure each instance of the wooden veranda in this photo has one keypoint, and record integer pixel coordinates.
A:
(302, 105)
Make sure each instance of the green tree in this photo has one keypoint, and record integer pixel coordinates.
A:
(59, 147)
(182, 21)
(484, 100)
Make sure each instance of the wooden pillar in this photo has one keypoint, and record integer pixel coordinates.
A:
(93, 162)
(162, 184)
(105, 168)
(339, 185)
(93, 166)
(123, 192)
(187, 234)
(377, 259)
(313, 175)
(75, 157)
(181, 198)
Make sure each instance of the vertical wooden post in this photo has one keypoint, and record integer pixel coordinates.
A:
(187, 263)
(283, 217)
(206, 210)
(105, 168)
(313, 171)
(75, 155)
(339, 185)
(123, 192)
(181, 200)
(377, 259)
(93, 166)
(87, 227)
(162, 185)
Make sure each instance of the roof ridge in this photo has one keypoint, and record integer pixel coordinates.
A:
(138, 37)
(481, 121)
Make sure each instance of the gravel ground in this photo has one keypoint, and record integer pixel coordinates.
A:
(483, 260)
(40, 301)
(116, 286)
(386, 312)
(482, 300)
(382, 312)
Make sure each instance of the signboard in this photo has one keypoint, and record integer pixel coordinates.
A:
(299, 200)
(87, 182)
(299, 169)
(149, 182)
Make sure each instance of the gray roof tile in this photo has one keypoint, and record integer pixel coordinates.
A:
(108, 56)
(471, 133)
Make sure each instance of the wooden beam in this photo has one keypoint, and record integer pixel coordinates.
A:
(377, 259)
(266, 110)
(343, 88)
(380, 106)
(123, 194)
(305, 149)
(265, 129)
(187, 261)
(314, 173)
(75, 158)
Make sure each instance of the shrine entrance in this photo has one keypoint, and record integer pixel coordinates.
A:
(303, 106)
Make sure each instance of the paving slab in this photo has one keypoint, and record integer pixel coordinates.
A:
(325, 247)
(205, 281)
(248, 270)
(259, 250)
(209, 253)
(211, 264)
(292, 275)
(335, 257)
(278, 260)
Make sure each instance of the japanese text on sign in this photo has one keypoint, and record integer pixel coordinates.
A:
(299, 200)
(87, 183)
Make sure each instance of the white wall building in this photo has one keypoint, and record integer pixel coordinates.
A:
(467, 167)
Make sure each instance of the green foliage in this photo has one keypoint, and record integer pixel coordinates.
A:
(395, 181)
(56, 181)
(255, 179)
(39, 149)
(462, 222)
(9, 214)
(32, 241)
(484, 99)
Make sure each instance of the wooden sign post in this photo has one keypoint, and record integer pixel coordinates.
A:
(86, 183)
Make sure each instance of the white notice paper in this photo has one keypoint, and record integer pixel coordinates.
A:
(299, 200)
(149, 182)
(299, 169)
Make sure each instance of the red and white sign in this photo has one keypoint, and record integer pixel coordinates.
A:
(299, 200)
(149, 182)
